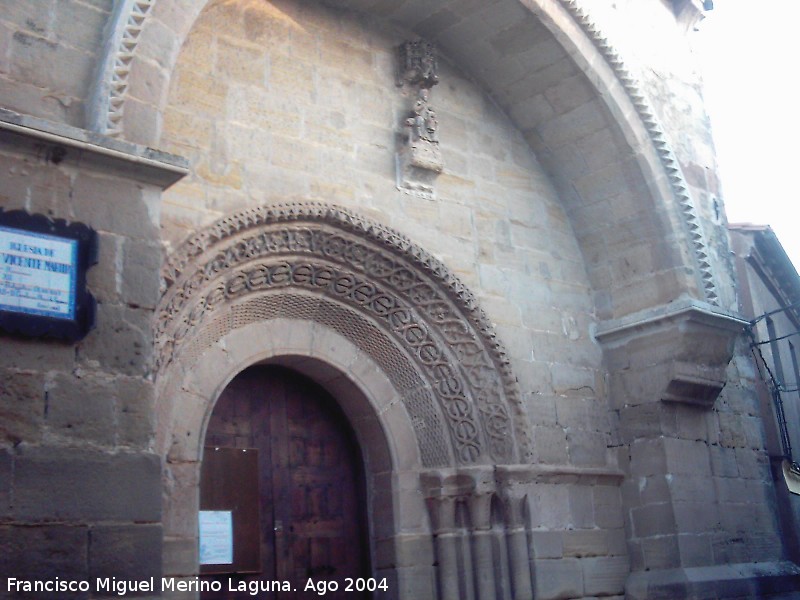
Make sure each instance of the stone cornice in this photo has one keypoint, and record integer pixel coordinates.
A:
(676, 353)
(472, 480)
(611, 331)
(145, 164)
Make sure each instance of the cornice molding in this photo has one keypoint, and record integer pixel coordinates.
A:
(608, 332)
(141, 163)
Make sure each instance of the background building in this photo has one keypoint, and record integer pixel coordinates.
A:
(770, 293)
(486, 284)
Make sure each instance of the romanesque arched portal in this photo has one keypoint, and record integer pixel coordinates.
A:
(399, 342)
(391, 299)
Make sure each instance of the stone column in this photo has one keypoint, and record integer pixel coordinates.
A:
(483, 562)
(517, 544)
(463, 545)
(443, 517)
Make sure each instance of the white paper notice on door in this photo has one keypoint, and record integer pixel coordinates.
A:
(216, 537)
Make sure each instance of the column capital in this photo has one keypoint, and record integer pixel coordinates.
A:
(675, 352)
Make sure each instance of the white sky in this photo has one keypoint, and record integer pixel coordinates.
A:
(750, 53)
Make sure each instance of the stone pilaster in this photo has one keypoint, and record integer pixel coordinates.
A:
(80, 488)
(667, 368)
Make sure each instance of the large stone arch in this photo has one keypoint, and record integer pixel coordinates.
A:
(557, 78)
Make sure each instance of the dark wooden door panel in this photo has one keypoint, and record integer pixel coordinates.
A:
(229, 482)
(310, 478)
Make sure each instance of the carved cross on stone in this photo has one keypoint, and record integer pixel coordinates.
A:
(419, 159)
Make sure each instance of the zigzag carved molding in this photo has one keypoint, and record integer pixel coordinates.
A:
(647, 114)
(135, 12)
(111, 89)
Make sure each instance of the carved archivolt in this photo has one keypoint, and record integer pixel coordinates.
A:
(391, 298)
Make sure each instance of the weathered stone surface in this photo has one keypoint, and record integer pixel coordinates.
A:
(82, 485)
(587, 448)
(121, 341)
(549, 507)
(648, 457)
(581, 506)
(548, 544)
(404, 551)
(38, 60)
(113, 205)
(585, 542)
(127, 552)
(557, 579)
(653, 520)
(22, 406)
(661, 552)
(605, 575)
(44, 552)
(135, 412)
(550, 445)
(180, 556)
(140, 264)
(80, 25)
(607, 507)
(5, 483)
(81, 408)
(103, 278)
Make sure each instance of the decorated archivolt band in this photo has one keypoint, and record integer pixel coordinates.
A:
(349, 261)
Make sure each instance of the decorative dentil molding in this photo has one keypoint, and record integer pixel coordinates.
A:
(312, 249)
(669, 161)
(111, 83)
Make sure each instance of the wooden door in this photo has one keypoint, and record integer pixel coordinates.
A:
(310, 480)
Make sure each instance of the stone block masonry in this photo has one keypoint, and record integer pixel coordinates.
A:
(48, 56)
(644, 470)
(80, 490)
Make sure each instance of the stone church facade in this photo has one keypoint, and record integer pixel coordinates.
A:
(488, 233)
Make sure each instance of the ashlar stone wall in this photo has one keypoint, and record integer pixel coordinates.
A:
(659, 51)
(294, 101)
(290, 100)
(49, 56)
(80, 488)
